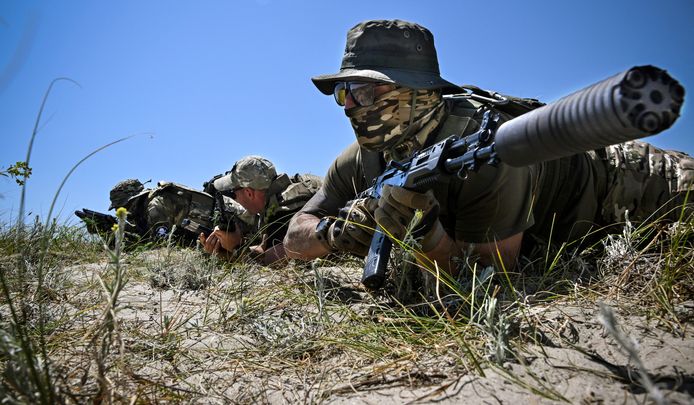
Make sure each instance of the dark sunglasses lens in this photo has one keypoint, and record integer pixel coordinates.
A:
(362, 93)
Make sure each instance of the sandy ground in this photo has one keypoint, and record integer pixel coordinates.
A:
(572, 360)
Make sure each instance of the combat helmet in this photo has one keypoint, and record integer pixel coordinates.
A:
(389, 51)
(251, 171)
(123, 191)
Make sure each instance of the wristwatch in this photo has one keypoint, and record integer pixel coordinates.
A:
(322, 230)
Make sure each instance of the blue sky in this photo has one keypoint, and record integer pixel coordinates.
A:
(205, 83)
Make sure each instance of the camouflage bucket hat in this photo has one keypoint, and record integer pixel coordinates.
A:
(123, 191)
(390, 51)
(252, 171)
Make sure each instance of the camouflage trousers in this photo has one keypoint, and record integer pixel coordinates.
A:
(648, 182)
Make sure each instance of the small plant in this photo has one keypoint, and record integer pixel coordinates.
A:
(19, 171)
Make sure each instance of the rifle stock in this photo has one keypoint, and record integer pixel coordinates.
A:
(636, 103)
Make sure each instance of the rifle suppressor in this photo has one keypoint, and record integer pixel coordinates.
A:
(636, 103)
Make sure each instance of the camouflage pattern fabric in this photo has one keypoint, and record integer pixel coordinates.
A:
(300, 189)
(281, 206)
(170, 203)
(154, 213)
(252, 171)
(123, 191)
(311, 181)
(390, 120)
(645, 180)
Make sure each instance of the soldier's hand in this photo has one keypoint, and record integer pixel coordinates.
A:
(220, 240)
(397, 208)
(352, 230)
(210, 243)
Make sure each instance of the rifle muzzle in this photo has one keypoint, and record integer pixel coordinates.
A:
(636, 103)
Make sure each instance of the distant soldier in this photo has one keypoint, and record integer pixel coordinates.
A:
(254, 183)
(154, 213)
(130, 194)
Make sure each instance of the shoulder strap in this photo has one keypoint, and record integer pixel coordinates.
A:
(511, 105)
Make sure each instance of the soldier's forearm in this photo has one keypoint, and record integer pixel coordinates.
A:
(300, 241)
(274, 254)
(441, 256)
(502, 254)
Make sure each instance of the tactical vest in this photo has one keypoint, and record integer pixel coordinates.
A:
(290, 194)
(286, 196)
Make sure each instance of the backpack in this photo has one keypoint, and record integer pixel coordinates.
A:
(170, 203)
(301, 189)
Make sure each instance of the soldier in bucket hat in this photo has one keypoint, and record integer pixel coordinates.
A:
(392, 92)
(254, 183)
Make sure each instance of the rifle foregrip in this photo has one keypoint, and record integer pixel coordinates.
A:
(638, 102)
(377, 261)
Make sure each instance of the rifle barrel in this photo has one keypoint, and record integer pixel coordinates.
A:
(636, 103)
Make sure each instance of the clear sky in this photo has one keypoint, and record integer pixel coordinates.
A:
(205, 83)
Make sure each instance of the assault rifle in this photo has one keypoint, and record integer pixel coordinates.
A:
(639, 102)
(96, 222)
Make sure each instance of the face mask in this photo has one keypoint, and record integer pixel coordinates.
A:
(389, 120)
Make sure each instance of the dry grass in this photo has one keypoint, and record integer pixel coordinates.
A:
(171, 324)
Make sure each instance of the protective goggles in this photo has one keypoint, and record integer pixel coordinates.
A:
(362, 93)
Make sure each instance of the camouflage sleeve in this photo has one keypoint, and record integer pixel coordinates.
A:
(645, 180)
(342, 183)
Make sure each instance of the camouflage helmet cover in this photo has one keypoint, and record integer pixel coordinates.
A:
(252, 171)
(123, 191)
(390, 51)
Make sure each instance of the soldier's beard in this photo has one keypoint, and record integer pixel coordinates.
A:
(389, 123)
